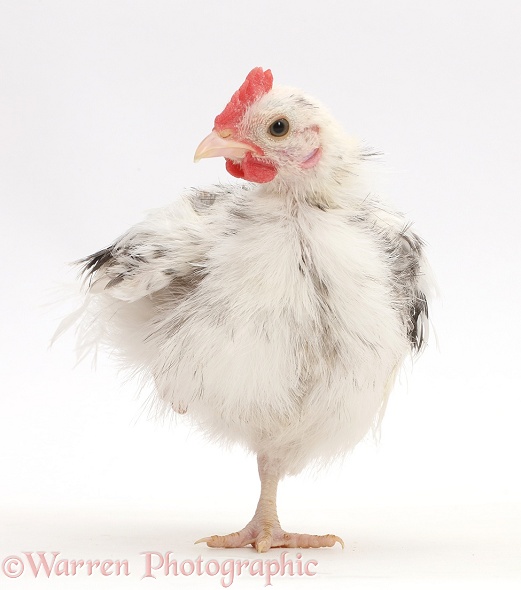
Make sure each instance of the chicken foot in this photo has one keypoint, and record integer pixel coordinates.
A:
(263, 531)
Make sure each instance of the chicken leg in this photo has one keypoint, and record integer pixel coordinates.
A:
(264, 531)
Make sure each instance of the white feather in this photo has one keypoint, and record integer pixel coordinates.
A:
(276, 316)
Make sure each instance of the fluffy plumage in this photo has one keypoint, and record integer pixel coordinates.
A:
(276, 314)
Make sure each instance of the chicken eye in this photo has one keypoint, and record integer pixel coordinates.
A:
(279, 128)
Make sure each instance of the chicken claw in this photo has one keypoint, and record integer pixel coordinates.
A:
(267, 537)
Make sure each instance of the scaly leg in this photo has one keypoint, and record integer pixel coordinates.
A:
(264, 531)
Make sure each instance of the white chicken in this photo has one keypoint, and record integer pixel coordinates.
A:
(274, 313)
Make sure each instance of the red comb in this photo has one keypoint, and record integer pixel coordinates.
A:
(256, 84)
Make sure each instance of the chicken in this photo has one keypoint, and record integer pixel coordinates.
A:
(275, 313)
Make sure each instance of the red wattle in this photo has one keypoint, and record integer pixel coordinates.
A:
(252, 169)
(234, 169)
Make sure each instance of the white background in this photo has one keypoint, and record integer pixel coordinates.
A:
(102, 104)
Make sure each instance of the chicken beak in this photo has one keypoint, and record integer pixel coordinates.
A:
(216, 145)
